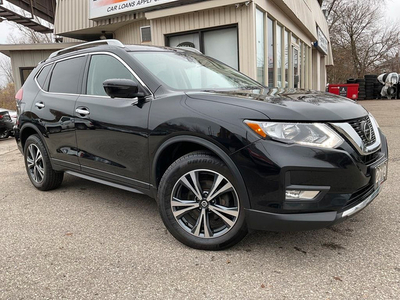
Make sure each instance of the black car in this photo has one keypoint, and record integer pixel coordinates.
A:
(221, 153)
(6, 124)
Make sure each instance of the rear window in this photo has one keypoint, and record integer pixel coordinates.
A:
(66, 76)
(41, 78)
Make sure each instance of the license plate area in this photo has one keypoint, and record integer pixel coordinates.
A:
(379, 173)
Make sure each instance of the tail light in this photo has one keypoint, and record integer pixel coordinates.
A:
(19, 95)
(1, 117)
(18, 99)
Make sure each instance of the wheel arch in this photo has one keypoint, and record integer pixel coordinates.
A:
(169, 152)
(26, 131)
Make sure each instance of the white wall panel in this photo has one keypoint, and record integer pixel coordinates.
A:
(23, 59)
(130, 34)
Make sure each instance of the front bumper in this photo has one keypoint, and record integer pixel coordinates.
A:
(347, 182)
(260, 220)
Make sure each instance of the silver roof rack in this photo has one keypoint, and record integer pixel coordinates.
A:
(87, 45)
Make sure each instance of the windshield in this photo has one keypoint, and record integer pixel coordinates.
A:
(190, 71)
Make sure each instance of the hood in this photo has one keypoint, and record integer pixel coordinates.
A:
(289, 104)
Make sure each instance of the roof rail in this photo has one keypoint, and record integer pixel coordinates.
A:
(191, 49)
(110, 42)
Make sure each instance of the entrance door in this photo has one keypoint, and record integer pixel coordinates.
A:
(221, 44)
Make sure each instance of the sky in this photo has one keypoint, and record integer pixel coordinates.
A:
(392, 12)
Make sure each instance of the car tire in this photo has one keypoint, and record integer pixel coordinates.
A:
(199, 203)
(4, 134)
(38, 166)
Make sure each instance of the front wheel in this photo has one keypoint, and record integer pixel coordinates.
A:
(199, 203)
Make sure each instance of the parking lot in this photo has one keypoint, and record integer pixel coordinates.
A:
(89, 241)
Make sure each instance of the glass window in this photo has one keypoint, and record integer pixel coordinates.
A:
(271, 61)
(260, 45)
(300, 64)
(103, 67)
(25, 72)
(296, 73)
(185, 40)
(145, 33)
(286, 58)
(41, 79)
(304, 63)
(222, 44)
(189, 71)
(66, 76)
(279, 53)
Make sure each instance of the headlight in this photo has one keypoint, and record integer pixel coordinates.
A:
(314, 134)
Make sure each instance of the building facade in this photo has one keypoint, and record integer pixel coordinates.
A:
(281, 43)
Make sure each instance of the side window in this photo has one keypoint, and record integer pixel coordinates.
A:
(103, 67)
(66, 76)
(41, 78)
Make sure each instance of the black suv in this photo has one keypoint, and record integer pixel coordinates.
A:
(220, 152)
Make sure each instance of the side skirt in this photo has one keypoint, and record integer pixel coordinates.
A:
(112, 184)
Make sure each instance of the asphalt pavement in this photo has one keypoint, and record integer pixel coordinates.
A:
(89, 241)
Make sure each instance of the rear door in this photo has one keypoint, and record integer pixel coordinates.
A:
(112, 134)
(54, 108)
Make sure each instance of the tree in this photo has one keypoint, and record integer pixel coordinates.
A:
(361, 40)
(28, 36)
(6, 70)
(24, 35)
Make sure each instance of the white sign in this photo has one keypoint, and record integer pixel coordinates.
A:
(322, 42)
(104, 8)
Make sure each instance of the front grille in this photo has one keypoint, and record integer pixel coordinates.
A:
(358, 127)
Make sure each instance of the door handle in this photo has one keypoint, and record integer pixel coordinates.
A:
(39, 105)
(82, 111)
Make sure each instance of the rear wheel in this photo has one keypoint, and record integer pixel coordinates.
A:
(38, 166)
(199, 203)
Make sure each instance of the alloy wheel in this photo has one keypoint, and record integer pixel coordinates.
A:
(205, 203)
(34, 159)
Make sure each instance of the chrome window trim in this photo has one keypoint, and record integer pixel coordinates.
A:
(87, 54)
(55, 63)
(126, 66)
(348, 131)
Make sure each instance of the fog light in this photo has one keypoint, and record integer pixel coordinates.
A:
(301, 195)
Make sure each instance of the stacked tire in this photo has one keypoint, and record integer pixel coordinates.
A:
(361, 86)
(370, 86)
(361, 89)
(351, 81)
(377, 90)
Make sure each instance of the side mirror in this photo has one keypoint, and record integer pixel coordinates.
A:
(122, 88)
